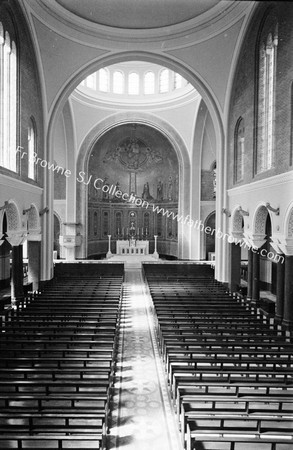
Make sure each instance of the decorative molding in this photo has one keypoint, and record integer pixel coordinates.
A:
(19, 184)
(34, 236)
(286, 246)
(290, 225)
(276, 180)
(16, 238)
(67, 24)
(256, 240)
(237, 222)
(260, 220)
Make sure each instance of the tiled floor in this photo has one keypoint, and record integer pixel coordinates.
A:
(144, 419)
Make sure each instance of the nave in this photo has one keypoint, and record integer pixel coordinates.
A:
(161, 357)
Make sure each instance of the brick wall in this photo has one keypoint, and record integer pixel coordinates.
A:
(207, 186)
(30, 103)
(244, 91)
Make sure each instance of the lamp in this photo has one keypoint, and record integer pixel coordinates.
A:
(43, 211)
(274, 210)
(225, 211)
(27, 210)
(244, 213)
(4, 206)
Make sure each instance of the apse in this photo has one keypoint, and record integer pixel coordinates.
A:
(133, 189)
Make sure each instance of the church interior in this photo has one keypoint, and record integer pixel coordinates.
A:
(146, 217)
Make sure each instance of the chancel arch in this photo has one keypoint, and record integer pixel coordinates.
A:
(185, 205)
(132, 175)
(164, 185)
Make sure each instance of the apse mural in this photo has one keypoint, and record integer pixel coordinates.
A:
(138, 161)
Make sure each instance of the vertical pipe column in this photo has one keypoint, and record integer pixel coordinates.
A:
(17, 294)
(249, 274)
(34, 263)
(280, 290)
(288, 292)
(255, 281)
(235, 266)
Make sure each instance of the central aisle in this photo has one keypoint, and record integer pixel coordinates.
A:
(143, 418)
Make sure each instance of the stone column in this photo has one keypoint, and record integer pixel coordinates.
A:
(288, 292)
(109, 254)
(235, 266)
(70, 239)
(249, 274)
(280, 289)
(255, 281)
(156, 254)
(17, 294)
(4, 264)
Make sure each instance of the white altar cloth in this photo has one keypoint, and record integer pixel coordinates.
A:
(132, 247)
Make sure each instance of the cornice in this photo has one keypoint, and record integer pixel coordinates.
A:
(214, 21)
(276, 180)
(109, 101)
(19, 184)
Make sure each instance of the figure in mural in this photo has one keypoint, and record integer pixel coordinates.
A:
(153, 155)
(133, 153)
(146, 192)
(170, 189)
(106, 191)
(117, 188)
(176, 187)
(160, 194)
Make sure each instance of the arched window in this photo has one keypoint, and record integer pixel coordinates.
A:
(239, 150)
(133, 83)
(91, 81)
(178, 81)
(103, 80)
(31, 150)
(8, 100)
(266, 98)
(118, 82)
(291, 137)
(149, 83)
(164, 81)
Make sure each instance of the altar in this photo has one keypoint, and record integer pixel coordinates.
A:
(132, 247)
